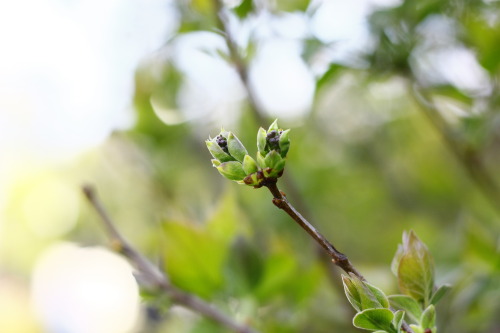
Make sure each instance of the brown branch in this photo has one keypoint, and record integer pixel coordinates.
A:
(153, 277)
(338, 258)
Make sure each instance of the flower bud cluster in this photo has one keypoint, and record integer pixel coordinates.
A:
(232, 160)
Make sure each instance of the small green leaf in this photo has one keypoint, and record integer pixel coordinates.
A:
(235, 147)
(407, 304)
(374, 319)
(232, 170)
(261, 140)
(443, 290)
(428, 319)
(272, 159)
(397, 322)
(217, 151)
(249, 165)
(284, 143)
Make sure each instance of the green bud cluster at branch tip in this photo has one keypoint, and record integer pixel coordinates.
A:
(233, 162)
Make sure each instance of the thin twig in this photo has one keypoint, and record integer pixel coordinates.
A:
(338, 258)
(153, 277)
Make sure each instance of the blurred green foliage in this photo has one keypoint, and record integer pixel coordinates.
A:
(365, 164)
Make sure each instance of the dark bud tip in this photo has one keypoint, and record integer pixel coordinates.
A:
(222, 142)
(272, 134)
(273, 140)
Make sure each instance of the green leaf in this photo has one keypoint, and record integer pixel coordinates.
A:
(244, 8)
(428, 319)
(261, 140)
(284, 143)
(443, 290)
(232, 170)
(227, 220)
(397, 322)
(194, 258)
(407, 304)
(235, 147)
(279, 269)
(217, 151)
(374, 319)
(245, 265)
(249, 165)
(416, 269)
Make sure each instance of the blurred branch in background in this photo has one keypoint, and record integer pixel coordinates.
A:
(237, 59)
(468, 156)
(151, 275)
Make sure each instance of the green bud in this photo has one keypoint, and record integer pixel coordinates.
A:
(284, 143)
(217, 151)
(226, 147)
(254, 179)
(363, 295)
(261, 161)
(261, 139)
(249, 165)
(233, 162)
(232, 170)
(236, 148)
(272, 159)
(273, 139)
(414, 266)
(428, 319)
(274, 126)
